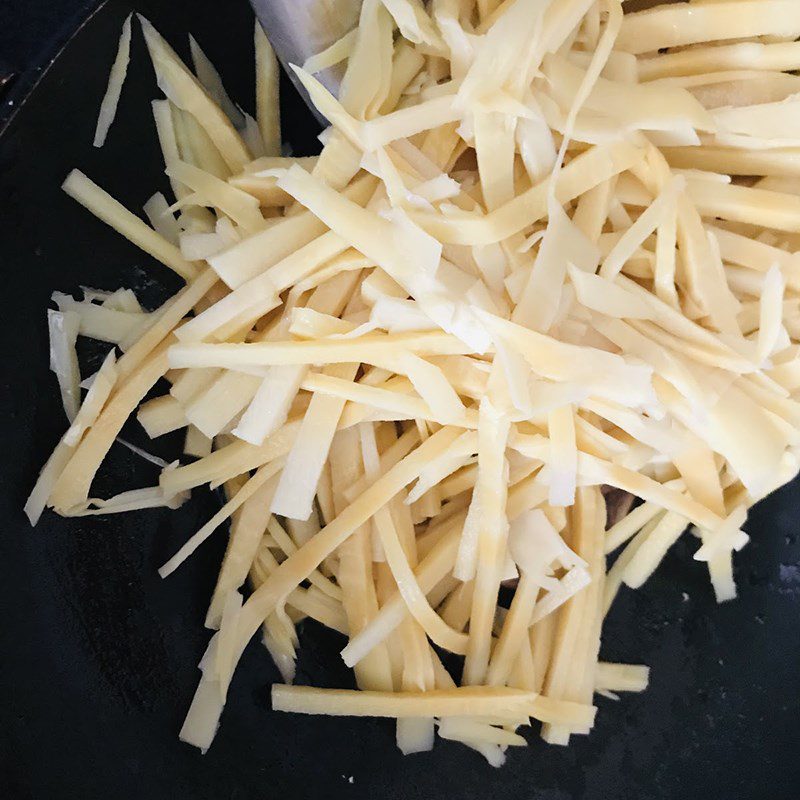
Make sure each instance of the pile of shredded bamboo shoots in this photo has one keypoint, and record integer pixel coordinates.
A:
(547, 248)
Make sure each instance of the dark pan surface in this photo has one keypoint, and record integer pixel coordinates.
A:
(98, 654)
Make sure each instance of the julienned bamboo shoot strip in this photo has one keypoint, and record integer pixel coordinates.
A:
(108, 107)
(106, 208)
(478, 701)
(407, 348)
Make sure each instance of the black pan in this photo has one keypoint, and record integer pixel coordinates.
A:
(98, 654)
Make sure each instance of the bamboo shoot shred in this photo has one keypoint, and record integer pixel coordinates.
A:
(523, 269)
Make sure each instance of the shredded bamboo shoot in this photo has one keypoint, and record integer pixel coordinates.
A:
(548, 249)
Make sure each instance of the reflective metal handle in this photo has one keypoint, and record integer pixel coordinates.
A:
(298, 29)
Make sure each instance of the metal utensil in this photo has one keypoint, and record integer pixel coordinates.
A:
(298, 29)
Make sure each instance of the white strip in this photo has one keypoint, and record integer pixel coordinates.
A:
(116, 77)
